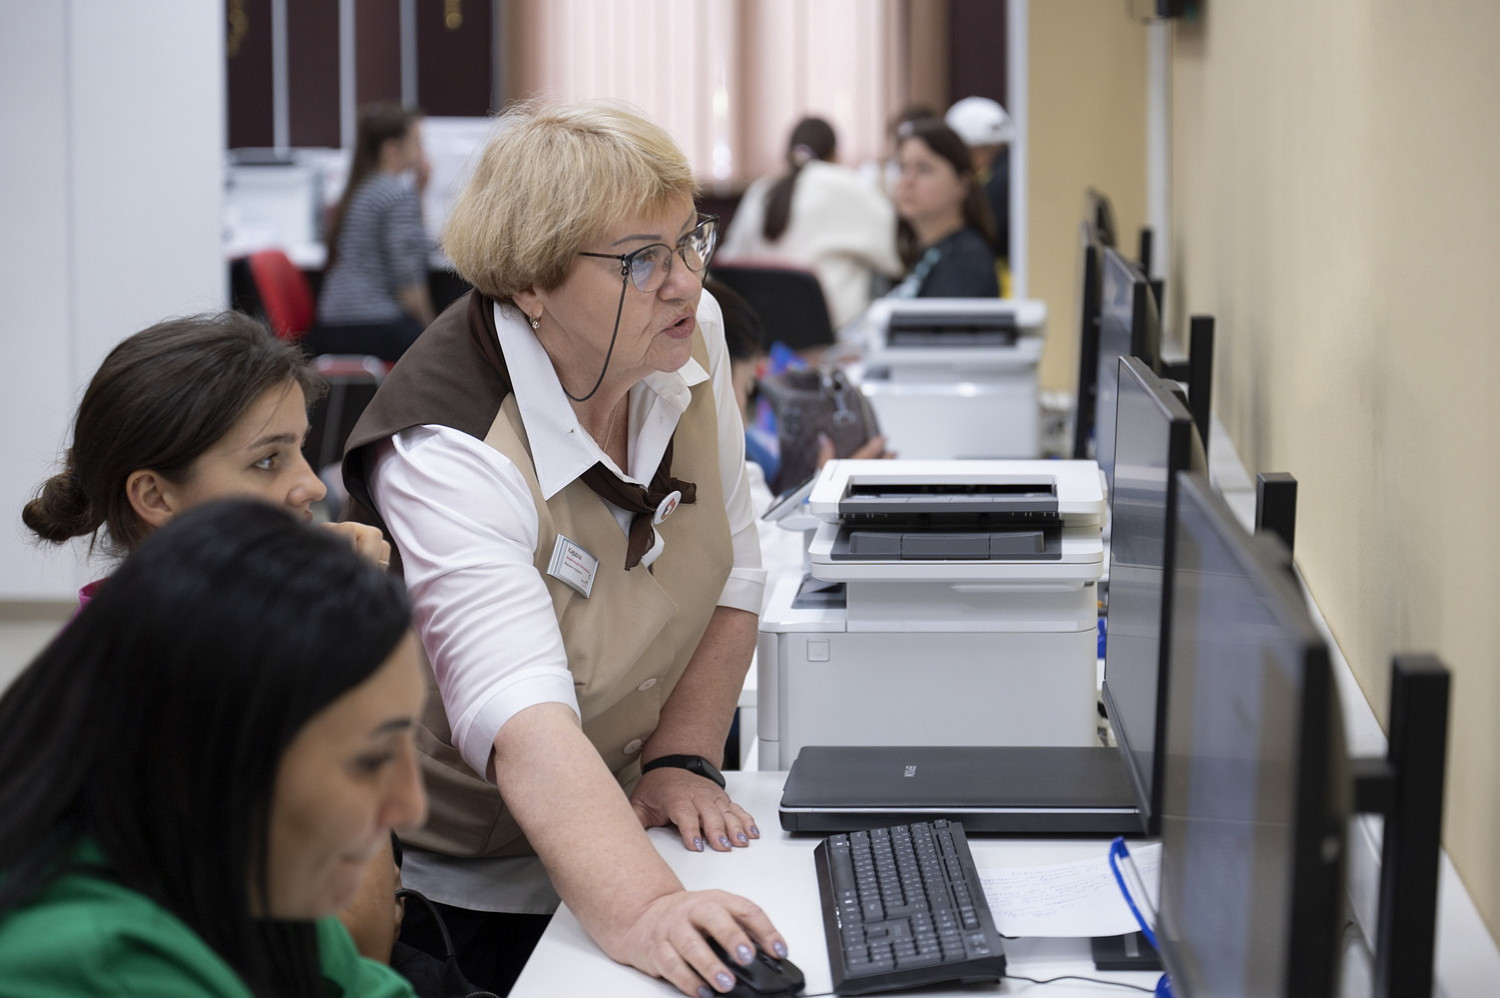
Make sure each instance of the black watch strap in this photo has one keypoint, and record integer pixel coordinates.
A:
(691, 763)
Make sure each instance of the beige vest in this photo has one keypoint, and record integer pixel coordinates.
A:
(627, 643)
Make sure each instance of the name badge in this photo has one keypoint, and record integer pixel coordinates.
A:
(572, 566)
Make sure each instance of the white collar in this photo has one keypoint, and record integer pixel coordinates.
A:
(561, 450)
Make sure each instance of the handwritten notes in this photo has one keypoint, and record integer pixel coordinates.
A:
(1069, 899)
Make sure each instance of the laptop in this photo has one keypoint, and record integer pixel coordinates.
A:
(1019, 790)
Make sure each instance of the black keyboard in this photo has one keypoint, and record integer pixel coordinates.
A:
(903, 907)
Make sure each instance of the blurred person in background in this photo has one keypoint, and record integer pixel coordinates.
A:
(946, 232)
(988, 131)
(374, 298)
(821, 215)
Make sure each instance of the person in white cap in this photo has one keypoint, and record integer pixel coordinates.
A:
(987, 130)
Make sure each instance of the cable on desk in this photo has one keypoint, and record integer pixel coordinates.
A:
(1078, 977)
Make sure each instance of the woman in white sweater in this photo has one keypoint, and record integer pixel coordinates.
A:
(819, 215)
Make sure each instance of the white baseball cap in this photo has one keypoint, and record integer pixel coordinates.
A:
(980, 121)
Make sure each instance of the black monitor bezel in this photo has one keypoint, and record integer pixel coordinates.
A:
(1321, 797)
(1127, 308)
(1179, 456)
(1090, 261)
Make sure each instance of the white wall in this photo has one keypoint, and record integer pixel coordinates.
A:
(110, 189)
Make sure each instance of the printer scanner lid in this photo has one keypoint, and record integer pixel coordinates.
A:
(972, 332)
(958, 521)
(867, 490)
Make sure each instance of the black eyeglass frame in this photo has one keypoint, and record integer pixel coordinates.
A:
(627, 260)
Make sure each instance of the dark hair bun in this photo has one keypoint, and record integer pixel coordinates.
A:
(60, 511)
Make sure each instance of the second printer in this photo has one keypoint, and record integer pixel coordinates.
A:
(943, 603)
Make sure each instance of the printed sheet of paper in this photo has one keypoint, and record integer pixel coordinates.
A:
(1069, 899)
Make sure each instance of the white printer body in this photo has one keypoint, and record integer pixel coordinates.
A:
(944, 603)
(954, 377)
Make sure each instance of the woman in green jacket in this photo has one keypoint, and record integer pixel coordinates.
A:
(194, 774)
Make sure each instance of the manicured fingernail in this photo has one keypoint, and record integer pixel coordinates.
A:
(725, 981)
(745, 953)
(724, 841)
(704, 992)
(743, 839)
(755, 831)
(698, 844)
(779, 948)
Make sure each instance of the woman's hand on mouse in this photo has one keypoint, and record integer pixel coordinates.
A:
(667, 941)
(701, 810)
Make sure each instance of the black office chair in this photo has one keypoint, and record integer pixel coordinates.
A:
(789, 301)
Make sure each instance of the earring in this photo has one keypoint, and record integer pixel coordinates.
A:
(536, 320)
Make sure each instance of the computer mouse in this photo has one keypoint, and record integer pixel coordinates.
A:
(763, 977)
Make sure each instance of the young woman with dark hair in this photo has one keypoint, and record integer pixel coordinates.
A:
(374, 298)
(195, 772)
(946, 232)
(185, 411)
(819, 215)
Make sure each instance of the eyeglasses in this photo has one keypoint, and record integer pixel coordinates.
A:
(649, 267)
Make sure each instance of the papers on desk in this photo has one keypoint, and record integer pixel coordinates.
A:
(1068, 899)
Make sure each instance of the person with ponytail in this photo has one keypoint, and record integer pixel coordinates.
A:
(374, 298)
(819, 215)
(195, 773)
(187, 410)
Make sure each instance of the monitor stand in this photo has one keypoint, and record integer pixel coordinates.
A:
(1128, 952)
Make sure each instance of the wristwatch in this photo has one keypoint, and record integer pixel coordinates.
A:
(691, 763)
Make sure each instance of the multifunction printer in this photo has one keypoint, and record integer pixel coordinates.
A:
(954, 377)
(942, 603)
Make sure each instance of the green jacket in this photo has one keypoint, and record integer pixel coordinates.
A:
(87, 935)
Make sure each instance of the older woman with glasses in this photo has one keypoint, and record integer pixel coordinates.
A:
(560, 464)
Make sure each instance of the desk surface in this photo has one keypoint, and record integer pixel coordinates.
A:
(777, 873)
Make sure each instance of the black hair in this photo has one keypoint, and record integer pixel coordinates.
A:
(378, 124)
(160, 399)
(743, 332)
(811, 139)
(947, 144)
(153, 725)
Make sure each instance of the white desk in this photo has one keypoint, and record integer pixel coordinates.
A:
(777, 873)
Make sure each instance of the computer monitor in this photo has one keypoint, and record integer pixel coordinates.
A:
(1090, 263)
(1101, 215)
(1154, 440)
(1256, 787)
(1143, 254)
(1128, 327)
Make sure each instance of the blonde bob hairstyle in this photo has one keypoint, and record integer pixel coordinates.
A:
(551, 180)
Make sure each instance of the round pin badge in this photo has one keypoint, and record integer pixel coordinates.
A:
(667, 507)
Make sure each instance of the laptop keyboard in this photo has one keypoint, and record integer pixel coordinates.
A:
(903, 907)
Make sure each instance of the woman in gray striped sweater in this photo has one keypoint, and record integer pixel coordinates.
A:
(374, 298)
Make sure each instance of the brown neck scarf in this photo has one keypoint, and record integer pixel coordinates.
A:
(456, 376)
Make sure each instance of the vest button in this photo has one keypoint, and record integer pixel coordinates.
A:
(646, 685)
(632, 747)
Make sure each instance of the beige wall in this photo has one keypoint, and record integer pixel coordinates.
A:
(1086, 128)
(1336, 207)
